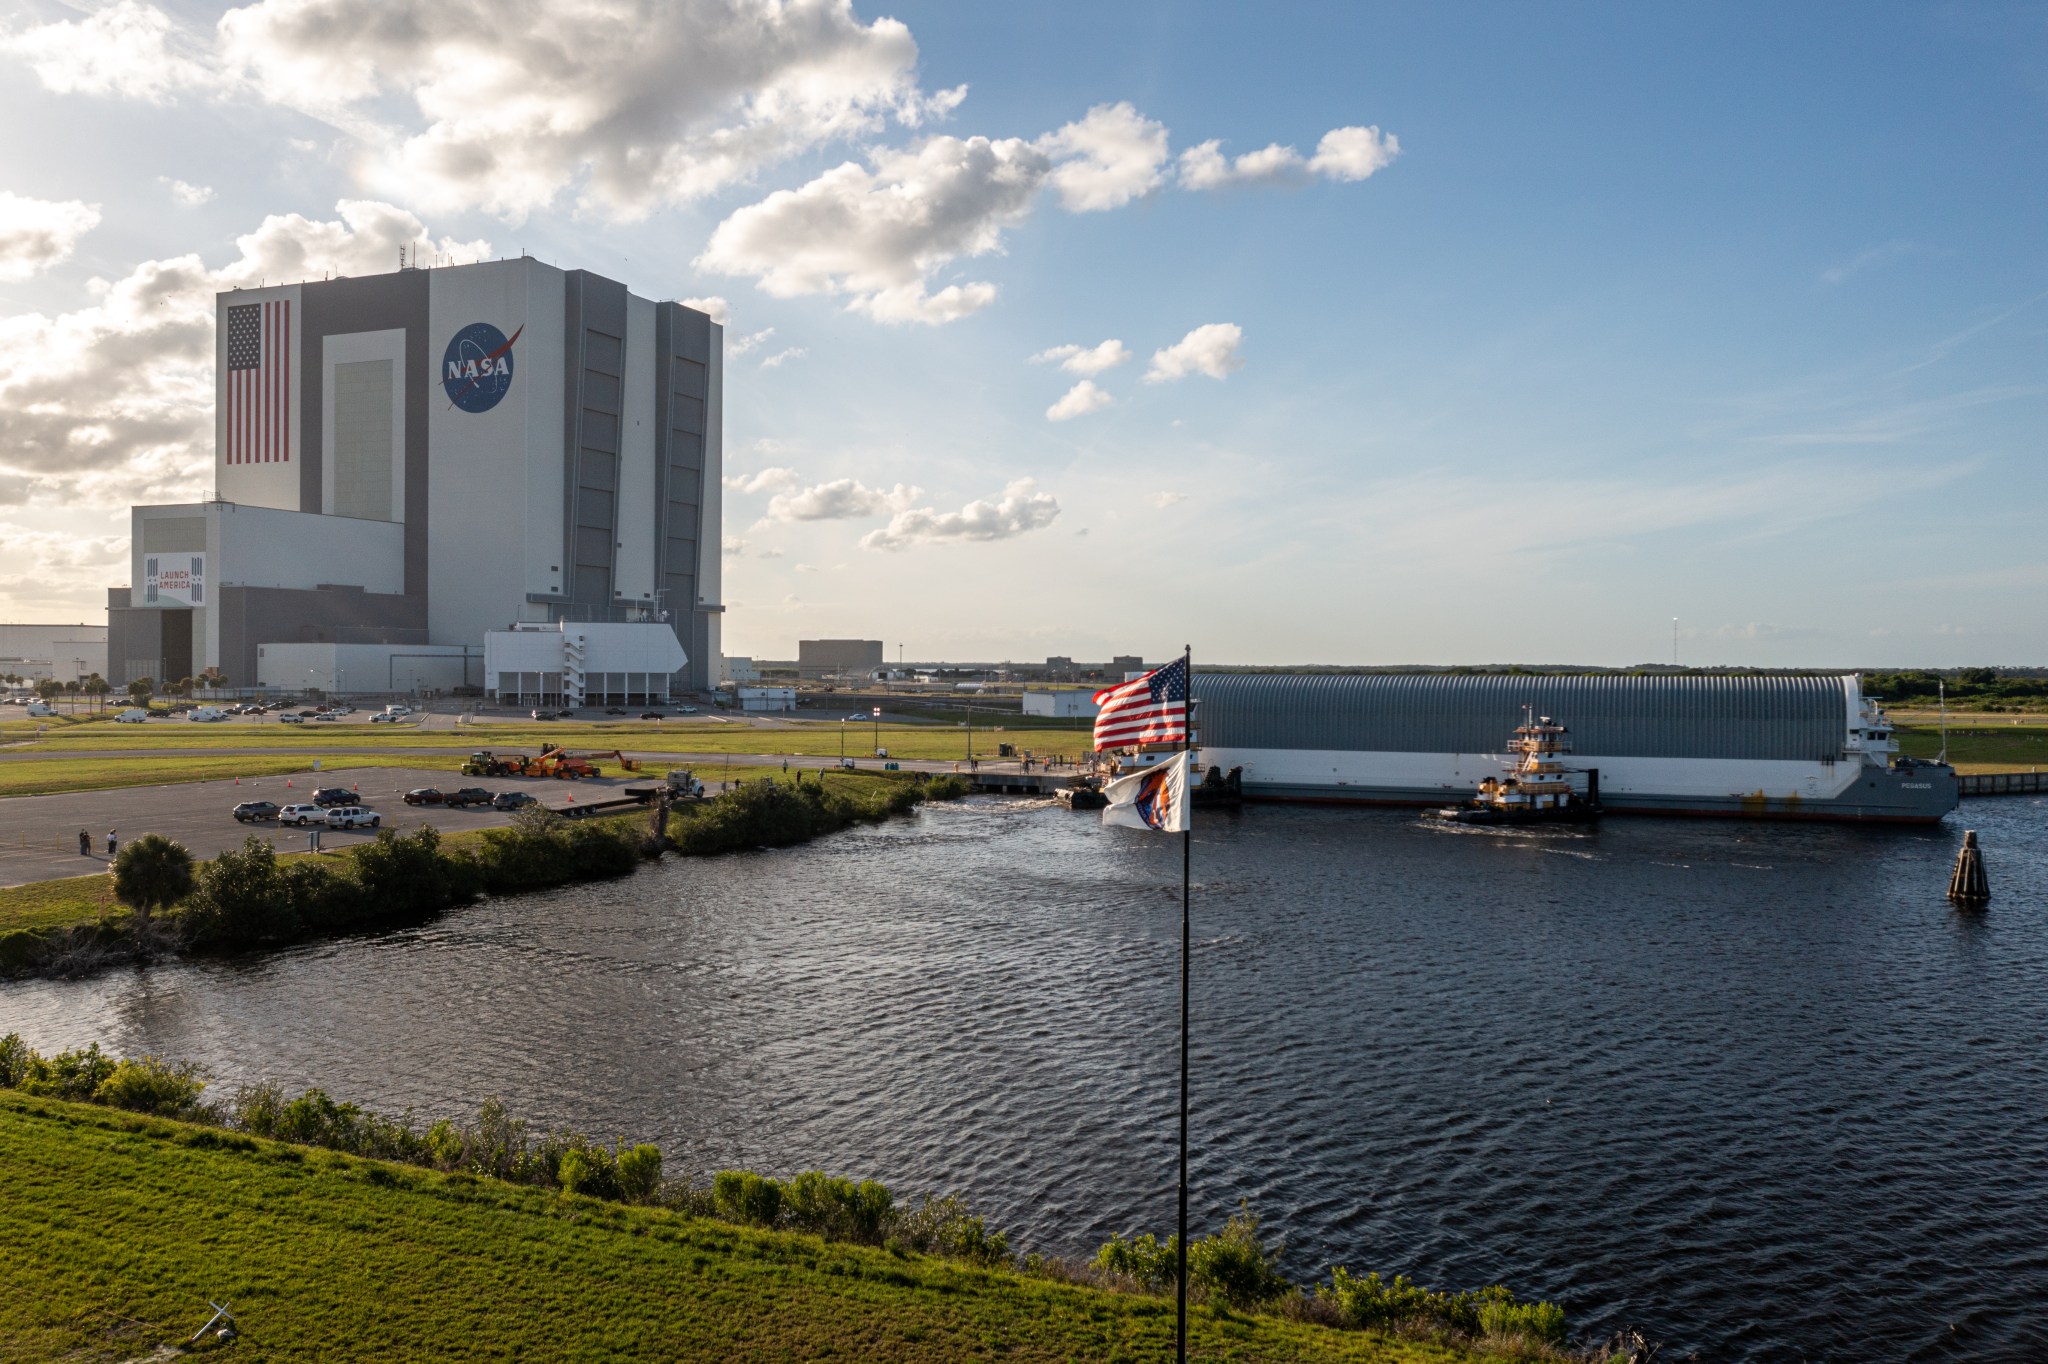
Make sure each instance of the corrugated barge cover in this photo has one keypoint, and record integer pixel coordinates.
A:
(1611, 715)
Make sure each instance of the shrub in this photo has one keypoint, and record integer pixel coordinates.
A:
(242, 898)
(838, 1209)
(944, 1226)
(405, 874)
(639, 1172)
(573, 1173)
(444, 1145)
(15, 1056)
(742, 1196)
(1502, 1317)
(256, 1109)
(73, 1075)
(1234, 1266)
(1152, 1266)
(148, 1085)
(497, 1146)
(322, 898)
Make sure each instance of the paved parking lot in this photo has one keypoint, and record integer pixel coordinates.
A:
(39, 834)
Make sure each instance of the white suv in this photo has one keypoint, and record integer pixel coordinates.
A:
(302, 815)
(352, 817)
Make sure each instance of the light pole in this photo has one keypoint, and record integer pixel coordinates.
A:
(878, 731)
(842, 740)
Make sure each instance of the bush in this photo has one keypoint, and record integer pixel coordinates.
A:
(148, 1085)
(152, 873)
(1234, 1266)
(741, 1196)
(1142, 1259)
(639, 1173)
(1369, 1303)
(574, 1172)
(944, 1226)
(73, 1075)
(1500, 1316)
(405, 874)
(838, 1209)
(15, 1056)
(321, 898)
(242, 899)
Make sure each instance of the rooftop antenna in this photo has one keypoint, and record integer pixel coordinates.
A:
(401, 255)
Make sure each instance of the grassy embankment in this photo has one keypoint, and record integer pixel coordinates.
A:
(74, 919)
(121, 1227)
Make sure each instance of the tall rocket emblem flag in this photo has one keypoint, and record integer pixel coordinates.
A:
(1154, 798)
(259, 385)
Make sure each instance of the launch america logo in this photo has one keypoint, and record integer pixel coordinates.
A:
(477, 370)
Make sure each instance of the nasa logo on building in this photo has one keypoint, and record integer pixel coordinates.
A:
(476, 371)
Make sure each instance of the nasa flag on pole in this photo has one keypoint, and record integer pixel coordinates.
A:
(1155, 798)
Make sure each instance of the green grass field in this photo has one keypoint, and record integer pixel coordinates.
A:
(1977, 746)
(40, 776)
(120, 1228)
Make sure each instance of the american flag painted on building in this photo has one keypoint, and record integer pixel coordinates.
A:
(1152, 709)
(258, 395)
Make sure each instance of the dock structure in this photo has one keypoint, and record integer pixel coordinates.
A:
(1021, 783)
(2002, 784)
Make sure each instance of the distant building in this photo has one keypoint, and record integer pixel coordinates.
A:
(582, 663)
(768, 698)
(56, 653)
(737, 668)
(831, 657)
(1126, 664)
(1072, 701)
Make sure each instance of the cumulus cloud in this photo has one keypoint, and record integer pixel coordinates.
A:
(1021, 508)
(877, 234)
(742, 345)
(113, 402)
(1085, 359)
(714, 307)
(772, 479)
(633, 104)
(1078, 401)
(129, 50)
(839, 500)
(1109, 157)
(191, 196)
(731, 545)
(1166, 499)
(776, 360)
(1343, 154)
(36, 234)
(1209, 349)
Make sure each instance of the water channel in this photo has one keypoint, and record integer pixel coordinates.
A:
(1753, 1089)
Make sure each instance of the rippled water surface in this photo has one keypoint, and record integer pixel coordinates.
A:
(1753, 1089)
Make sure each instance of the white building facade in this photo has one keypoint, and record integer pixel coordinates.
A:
(577, 663)
(424, 457)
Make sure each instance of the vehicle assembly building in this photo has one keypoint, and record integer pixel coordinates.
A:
(1804, 746)
(405, 463)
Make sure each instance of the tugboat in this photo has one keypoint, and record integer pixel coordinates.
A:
(1538, 787)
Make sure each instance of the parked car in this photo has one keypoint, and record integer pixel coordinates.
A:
(689, 710)
(543, 715)
(250, 811)
(512, 800)
(131, 717)
(650, 715)
(425, 795)
(301, 815)
(290, 719)
(308, 714)
(383, 717)
(334, 795)
(470, 795)
(352, 817)
(329, 716)
(614, 710)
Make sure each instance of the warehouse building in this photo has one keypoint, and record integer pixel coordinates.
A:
(53, 653)
(405, 463)
(816, 658)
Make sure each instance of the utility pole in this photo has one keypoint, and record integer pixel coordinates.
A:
(1674, 641)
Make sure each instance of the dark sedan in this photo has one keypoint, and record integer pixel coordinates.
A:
(425, 795)
(512, 800)
(250, 811)
(334, 795)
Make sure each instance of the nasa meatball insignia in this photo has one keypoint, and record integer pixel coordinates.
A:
(477, 369)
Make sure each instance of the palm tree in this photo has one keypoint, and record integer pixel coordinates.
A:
(152, 873)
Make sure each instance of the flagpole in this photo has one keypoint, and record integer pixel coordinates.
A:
(1180, 1278)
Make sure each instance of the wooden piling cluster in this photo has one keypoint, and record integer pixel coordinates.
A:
(1968, 886)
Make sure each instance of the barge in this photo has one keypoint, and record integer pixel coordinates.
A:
(1807, 746)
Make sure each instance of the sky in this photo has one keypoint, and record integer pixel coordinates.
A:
(1356, 334)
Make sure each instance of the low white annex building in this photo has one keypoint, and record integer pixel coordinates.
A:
(579, 663)
(1068, 701)
(768, 698)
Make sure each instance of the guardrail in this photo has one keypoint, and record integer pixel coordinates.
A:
(2003, 784)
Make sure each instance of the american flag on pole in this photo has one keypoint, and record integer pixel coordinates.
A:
(259, 383)
(1152, 709)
